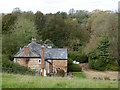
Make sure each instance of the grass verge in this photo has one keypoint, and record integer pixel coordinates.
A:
(79, 75)
(27, 81)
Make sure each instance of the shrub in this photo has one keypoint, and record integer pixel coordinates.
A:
(94, 77)
(70, 61)
(72, 55)
(100, 57)
(113, 65)
(106, 78)
(83, 59)
(100, 78)
(60, 73)
(99, 65)
(10, 67)
(75, 68)
(78, 57)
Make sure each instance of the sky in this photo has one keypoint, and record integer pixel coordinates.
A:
(53, 6)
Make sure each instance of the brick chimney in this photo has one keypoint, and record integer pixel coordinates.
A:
(26, 50)
(43, 65)
(33, 39)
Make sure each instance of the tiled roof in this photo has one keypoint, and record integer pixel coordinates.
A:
(50, 53)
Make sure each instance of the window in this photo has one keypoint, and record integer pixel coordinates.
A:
(39, 61)
(57, 69)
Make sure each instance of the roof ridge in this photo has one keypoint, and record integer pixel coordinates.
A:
(56, 48)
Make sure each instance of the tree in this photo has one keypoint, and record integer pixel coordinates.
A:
(55, 30)
(47, 41)
(63, 15)
(19, 35)
(71, 11)
(39, 22)
(8, 21)
(77, 35)
(17, 10)
(103, 22)
(100, 57)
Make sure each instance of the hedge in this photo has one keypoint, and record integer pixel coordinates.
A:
(75, 68)
(11, 67)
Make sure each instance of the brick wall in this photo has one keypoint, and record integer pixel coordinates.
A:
(62, 64)
(32, 63)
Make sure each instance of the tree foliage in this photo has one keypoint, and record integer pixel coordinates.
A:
(39, 22)
(55, 30)
(99, 23)
(100, 57)
(80, 31)
(19, 35)
(7, 22)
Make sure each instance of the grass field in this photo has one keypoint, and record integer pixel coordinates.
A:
(26, 81)
(79, 75)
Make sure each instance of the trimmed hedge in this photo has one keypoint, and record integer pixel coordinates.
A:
(75, 68)
(10, 67)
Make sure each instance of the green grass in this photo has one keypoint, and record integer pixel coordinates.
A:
(26, 81)
(79, 75)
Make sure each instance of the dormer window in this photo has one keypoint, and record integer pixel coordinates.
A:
(39, 61)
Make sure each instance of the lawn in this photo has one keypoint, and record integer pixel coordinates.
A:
(26, 81)
(79, 75)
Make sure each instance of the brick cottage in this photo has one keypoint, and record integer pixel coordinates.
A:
(44, 59)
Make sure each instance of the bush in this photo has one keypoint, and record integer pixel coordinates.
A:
(75, 68)
(60, 73)
(10, 67)
(99, 65)
(100, 57)
(112, 66)
(73, 56)
(106, 78)
(70, 61)
(82, 58)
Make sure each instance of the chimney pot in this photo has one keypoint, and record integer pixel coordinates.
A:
(33, 39)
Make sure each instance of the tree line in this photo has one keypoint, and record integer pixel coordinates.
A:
(81, 31)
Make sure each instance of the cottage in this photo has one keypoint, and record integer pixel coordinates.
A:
(43, 59)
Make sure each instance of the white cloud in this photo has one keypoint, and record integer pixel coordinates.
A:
(47, 6)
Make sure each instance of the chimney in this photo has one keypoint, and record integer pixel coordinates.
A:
(26, 50)
(33, 39)
(43, 67)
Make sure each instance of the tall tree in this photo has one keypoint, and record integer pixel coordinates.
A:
(55, 30)
(8, 21)
(19, 35)
(71, 11)
(39, 22)
(103, 22)
(63, 15)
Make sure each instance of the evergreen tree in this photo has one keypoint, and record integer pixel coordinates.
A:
(100, 57)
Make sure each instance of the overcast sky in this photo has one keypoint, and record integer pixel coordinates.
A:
(52, 6)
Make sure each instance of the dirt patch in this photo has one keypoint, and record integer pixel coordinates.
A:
(110, 74)
(98, 74)
(84, 66)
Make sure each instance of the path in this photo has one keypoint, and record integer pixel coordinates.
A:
(98, 74)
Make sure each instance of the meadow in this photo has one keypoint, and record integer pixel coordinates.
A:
(27, 81)
(79, 75)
